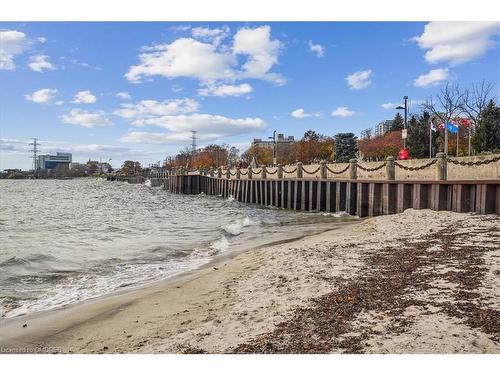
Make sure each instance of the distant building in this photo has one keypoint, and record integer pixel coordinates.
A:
(280, 138)
(383, 127)
(59, 161)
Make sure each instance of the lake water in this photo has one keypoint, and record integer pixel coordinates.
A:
(65, 241)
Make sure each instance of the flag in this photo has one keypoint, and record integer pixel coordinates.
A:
(441, 126)
(432, 125)
(452, 128)
(465, 122)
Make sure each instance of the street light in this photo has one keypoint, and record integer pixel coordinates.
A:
(274, 147)
(406, 116)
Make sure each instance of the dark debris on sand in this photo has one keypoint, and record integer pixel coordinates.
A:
(392, 280)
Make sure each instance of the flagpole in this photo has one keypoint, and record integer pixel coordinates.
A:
(458, 130)
(430, 140)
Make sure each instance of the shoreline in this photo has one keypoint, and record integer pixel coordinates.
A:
(250, 302)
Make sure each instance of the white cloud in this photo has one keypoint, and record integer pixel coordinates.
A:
(145, 109)
(42, 39)
(342, 112)
(318, 49)
(301, 113)
(84, 97)
(208, 127)
(59, 102)
(209, 60)
(433, 78)
(40, 62)
(457, 42)
(359, 80)
(262, 53)
(12, 43)
(389, 105)
(80, 117)
(226, 90)
(124, 95)
(185, 57)
(41, 96)
(214, 36)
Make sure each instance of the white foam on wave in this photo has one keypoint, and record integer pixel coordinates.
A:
(147, 183)
(336, 214)
(219, 246)
(236, 227)
(230, 198)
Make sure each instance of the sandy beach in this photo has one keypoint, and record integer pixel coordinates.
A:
(416, 282)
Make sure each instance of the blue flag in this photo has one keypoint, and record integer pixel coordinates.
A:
(452, 127)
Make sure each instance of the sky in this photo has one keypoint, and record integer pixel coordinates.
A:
(121, 91)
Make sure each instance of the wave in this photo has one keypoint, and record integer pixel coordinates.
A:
(27, 260)
(147, 183)
(219, 246)
(236, 227)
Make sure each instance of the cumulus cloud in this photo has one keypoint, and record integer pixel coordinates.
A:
(204, 57)
(124, 95)
(145, 109)
(457, 42)
(214, 36)
(41, 96)
(301, 113)
(185, 57)
(39, 63)
(12, 43)
(433, 78)
(41, 39)
(226, 90)
(84, 97)
(262, 53)
(359, 80)
(77, 116)
(342, 112)
(317, 49)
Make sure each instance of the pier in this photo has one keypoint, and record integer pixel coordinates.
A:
(357, 188)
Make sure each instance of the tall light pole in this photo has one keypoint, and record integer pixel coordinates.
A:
(274, 147)
(406, 116)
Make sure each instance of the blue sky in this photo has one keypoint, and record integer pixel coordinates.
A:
(136, 90)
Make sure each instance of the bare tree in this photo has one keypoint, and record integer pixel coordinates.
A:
(446, 106)
(475, 100)
(367, 134)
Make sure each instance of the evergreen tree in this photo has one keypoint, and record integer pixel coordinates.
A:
(418, 136)
(345, 147)
(398, 123)
(487, 137)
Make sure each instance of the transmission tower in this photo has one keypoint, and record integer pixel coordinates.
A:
(34, 150)
(193, 142)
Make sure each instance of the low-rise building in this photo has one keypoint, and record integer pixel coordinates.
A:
(58, 162)
(280, 138)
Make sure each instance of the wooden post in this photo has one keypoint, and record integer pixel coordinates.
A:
(390, 168)
(250, 172)
(322, 169)
(238, 173)
(442, 168)
(263, 172)
(228, 173)
(280, 172)
(353, 169)
(299, 170)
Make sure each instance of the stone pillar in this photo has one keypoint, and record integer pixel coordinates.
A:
(442, 168)
(238, 173)
(299, 170)
(219, 172)
(353, 169)
(250, 172)
(390, 168)
(263, 172)
(211, 172)
(280, 172)
(322, 169)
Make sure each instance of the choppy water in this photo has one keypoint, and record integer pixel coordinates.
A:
(64, 241)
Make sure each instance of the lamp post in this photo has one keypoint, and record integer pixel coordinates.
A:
(406, 116)
(274, 147)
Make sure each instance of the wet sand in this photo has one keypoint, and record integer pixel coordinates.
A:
(416, 282)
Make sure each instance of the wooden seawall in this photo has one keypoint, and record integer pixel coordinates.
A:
(356, 197)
